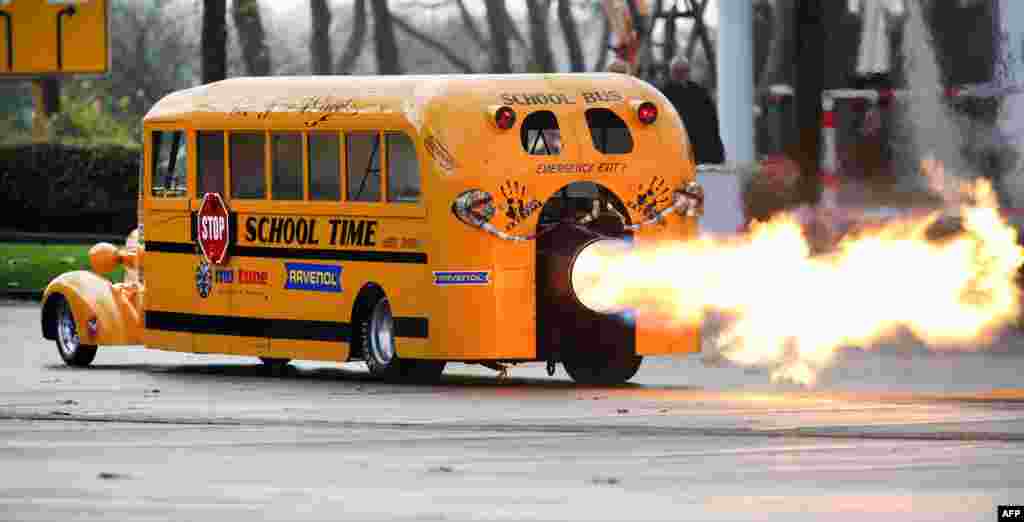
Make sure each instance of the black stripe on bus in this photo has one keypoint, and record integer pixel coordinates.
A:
(407, 327)
(167, 247)
(369, 256)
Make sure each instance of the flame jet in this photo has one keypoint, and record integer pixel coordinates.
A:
(791, 310)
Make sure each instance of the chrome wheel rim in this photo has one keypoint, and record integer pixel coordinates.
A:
(67, 331)
(382, 338)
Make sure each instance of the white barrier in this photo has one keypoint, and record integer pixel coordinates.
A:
(723, 190)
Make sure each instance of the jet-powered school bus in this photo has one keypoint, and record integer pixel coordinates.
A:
(406, 221)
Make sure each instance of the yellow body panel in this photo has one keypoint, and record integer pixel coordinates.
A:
(255, 302)
(54, 37)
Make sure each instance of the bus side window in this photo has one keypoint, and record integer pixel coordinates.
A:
(608, 132)
(363, 166)
(403, 169)
(170, 164)
(210, 151)
(324, 166)
(247, 164)
(540, 134)
(286, 165)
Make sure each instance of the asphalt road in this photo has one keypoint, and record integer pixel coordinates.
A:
(894, 434)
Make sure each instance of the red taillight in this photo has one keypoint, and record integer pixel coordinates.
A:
(647, 112)
(504, 118)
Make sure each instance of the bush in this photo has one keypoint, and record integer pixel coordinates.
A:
(67, 188)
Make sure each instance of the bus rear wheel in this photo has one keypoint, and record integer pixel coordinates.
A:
(378, 342)
(602, 370)
(69, 344)
(274, 365)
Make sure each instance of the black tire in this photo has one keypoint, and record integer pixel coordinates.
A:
(275, 365)
(604, 371)
(69, 344)
(424, 371)
(377, 340)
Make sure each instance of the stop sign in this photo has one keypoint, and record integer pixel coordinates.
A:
(212, 228)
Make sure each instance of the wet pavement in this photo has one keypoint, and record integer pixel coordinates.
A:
(899, 433)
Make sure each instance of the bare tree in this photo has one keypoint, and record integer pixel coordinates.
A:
(809, 55)
(540, 41)
(434, 44)
(497, 20)
(251, 37)
(152, 53)
(214, 41)
(778, 64)
(470, 23)
(572, 39)
(384, 39)
(354, 46)
(320, 39)
(602, 44)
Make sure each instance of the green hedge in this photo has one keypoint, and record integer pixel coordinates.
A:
(66, 188)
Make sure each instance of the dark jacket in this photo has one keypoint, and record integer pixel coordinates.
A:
(696, 108)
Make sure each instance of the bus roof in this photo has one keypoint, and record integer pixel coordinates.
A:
(403, 96)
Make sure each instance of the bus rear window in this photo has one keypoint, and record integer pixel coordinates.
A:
(540, 134)
(608, 132)
(403, 169)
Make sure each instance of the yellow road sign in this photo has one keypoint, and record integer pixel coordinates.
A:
(52, 37)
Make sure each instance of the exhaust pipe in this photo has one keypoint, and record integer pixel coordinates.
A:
(587, 269)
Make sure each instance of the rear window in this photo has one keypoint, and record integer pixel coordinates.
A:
(540, 134)
(608, 132)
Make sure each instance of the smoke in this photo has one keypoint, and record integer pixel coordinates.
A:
(926, 123)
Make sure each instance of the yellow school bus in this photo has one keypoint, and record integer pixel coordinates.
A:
(407, 221)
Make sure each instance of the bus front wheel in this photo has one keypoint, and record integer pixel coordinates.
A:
(377, 334)
(601, 370)
(69, 344)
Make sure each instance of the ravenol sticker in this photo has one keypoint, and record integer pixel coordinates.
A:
(316, 278)
(461, 278)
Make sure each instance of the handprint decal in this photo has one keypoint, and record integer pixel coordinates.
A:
(517, 205)
(649, 198)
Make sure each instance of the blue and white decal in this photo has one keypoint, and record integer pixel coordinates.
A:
(461, 278)
(311, 277)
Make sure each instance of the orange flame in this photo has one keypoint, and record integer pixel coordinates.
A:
(789, 310)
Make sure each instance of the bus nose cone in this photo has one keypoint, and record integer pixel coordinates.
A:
(591, 270)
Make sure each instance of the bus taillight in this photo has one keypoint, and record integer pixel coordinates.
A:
(503, 117)
(647, 112)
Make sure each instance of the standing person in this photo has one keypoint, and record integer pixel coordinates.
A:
(697, 109)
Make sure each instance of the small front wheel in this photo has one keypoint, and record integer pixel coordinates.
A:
(69, 344)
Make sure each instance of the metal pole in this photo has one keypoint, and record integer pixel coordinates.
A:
(736, 78)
